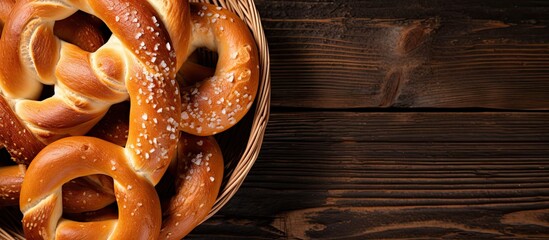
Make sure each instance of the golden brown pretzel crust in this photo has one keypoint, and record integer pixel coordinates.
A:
(219, 102)
(198, 171)
(5, 8)
(69, 158)
(80, 29)
(80, 195)
(139, 59)
(11, 178)
(190, 186)
(15, 137)
(86, 83)
(198, 174)
(89, 193)
(83, 194)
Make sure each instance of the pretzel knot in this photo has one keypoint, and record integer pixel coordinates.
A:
(218, 102)
(82, 30)
(139, 61)
(72, 157)
(142, 49)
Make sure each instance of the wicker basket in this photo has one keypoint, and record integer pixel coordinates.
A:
(240, 144)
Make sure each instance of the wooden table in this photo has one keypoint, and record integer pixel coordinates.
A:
(400, 119)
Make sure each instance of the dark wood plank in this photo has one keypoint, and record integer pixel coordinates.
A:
(345, 175)
(458, 54)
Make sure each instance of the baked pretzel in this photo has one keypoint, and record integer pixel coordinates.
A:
(79, 101)
(80, 29)
(139, 207)
(209, 107)
(220, 101)
(198, 172)
(189, 189)
(86, 84)
(84, 31)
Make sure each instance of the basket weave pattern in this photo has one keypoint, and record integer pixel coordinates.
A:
(239, 155)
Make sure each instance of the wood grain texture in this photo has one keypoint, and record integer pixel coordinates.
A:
(349, 175)
(367, 54)
(357, 172)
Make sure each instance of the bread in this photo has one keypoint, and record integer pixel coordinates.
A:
(217, 103)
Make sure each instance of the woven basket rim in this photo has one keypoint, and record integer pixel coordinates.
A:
(247, 11)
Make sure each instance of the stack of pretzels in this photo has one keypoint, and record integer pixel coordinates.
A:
(109, 122)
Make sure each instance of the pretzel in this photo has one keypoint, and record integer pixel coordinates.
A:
(217, 103)
(71, 157)
(80, 101)
(84, 194)
(198, 173)
(190, 188)
(86, 84)
(209, 107)
(82, 30)
(79, 29)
